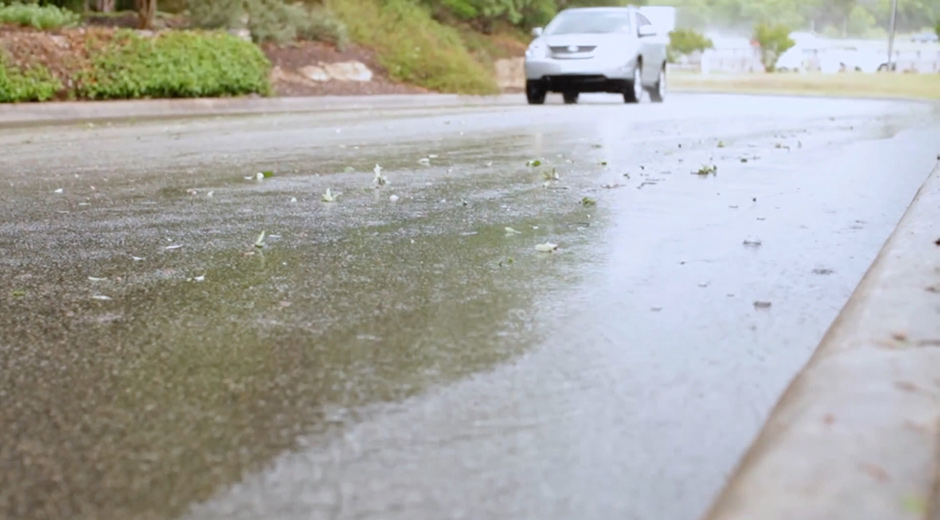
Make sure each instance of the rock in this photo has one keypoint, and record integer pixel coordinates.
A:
(510, 73)
(343, 71)
(60, 41)
(315, 73)
(242, 34)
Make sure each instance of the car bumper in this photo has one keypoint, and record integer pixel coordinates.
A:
(536, 69)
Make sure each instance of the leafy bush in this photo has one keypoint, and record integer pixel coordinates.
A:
(413, 47)
(274, 20)
(686, 41)
(174, 64)
(35, 83)
(483, 14)
(322, 25)
(38, 16)
(270, 20)
(774, 40)
(215, 14)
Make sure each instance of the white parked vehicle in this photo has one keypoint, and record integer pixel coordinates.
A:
(597, 49)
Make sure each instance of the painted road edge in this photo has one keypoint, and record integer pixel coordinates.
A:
(856, 435)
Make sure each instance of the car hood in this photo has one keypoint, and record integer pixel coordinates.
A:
(564, 40)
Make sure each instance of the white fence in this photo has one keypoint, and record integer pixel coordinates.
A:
(739, 55)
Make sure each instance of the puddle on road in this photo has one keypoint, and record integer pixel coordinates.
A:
(144, 376)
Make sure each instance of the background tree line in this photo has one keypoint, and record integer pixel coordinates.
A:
(845, 18)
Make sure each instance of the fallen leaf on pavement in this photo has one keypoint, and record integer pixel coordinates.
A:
(876, 472)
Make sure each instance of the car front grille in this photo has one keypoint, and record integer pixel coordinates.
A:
(572, 49)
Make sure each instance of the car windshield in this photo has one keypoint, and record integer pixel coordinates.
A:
(583, 22)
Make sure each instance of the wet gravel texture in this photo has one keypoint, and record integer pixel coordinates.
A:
(397, 353)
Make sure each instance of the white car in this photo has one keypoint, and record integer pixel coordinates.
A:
(597, 49)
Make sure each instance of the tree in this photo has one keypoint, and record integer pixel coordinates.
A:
(936, 28)
(860, 22)
(774, 40)
(687, 41)
(146, 12)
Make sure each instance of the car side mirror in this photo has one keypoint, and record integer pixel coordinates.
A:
(646, 30)
(536, 31)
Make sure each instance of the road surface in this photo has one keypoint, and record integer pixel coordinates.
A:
(397, 353)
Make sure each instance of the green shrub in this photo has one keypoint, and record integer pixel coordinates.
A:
(484, 14)
(270, 20)
(322, 25)
(174, 64)
(214, 14)
(38, 16)
(274, 20)
(35, 83)
(413, 47)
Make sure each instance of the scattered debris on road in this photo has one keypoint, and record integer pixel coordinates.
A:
(706, 170)
(379, 180)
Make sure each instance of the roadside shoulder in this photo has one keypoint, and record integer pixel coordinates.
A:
(857, 433)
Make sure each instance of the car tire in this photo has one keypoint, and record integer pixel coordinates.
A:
(570, 98)
(658, 92)
(534, 93)
(634, 92)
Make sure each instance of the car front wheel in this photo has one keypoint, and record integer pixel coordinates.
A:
(570, 97)
(534, 93)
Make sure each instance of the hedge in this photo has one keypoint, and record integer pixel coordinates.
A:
(35, 83)
(173, 64)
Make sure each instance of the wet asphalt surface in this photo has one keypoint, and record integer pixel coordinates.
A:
(396, 353)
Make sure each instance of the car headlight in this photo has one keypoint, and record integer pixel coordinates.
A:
(537, 49)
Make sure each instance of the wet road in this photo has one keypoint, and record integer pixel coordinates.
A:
(396, 353)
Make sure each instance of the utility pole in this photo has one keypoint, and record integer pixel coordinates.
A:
(891, 32)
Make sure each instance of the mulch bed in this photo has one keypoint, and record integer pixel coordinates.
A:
(289, 59)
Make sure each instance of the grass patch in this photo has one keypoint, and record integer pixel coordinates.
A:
(909, 86)
(34, 83)
(173, 65)
(413, 46)
(37, 16)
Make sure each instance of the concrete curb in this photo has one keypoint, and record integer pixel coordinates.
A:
(857, 433)
(65, 112)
